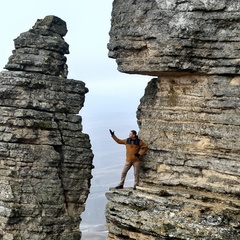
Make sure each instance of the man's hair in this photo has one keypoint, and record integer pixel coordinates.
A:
(134, 132)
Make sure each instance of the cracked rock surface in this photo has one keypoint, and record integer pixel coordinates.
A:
(45, 158)
(188, 117)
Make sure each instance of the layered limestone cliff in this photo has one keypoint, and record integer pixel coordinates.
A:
(45, 158)
(189, 116)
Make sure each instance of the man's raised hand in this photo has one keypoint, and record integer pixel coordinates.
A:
(111, 132)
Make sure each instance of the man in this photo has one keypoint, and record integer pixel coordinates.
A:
(135, 148)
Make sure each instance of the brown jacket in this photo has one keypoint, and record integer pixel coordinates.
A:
(132, 149)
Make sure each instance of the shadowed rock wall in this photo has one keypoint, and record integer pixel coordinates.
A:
(188, 116)
(45, 158)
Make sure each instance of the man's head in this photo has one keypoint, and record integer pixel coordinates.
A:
(133, 134)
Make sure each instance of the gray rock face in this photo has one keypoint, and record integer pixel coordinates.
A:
(45, 158)
(41, 49)
(188, 116)
(152, 36)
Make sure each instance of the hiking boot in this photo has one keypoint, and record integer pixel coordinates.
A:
(119, 187)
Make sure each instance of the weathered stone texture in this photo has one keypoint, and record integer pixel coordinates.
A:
(188, 116)
(45, 158)
(151, 36)
(161, 212)
(196, 134)
(42, 48)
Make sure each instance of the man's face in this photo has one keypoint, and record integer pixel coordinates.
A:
(131, 135)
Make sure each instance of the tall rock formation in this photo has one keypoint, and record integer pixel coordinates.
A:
(45, 158)
(189, 116)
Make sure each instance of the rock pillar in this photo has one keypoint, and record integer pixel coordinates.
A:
(45, 158)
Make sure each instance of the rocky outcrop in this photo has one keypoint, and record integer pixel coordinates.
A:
(188, 116)
(41, 49)
(46, 159)
(152, 36)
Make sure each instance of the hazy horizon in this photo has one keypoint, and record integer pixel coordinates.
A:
(118, 114)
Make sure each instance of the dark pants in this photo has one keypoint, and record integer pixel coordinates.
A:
(127, 166)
